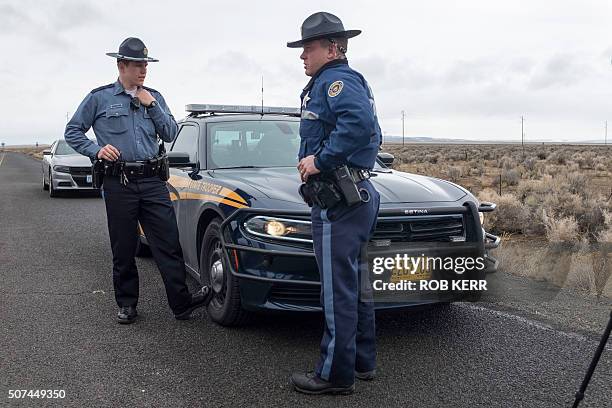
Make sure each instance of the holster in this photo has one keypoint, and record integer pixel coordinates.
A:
(322, 193)
(97, 173)
(164, 164)
(330, 188)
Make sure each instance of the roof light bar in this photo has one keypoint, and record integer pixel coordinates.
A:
(197, 108)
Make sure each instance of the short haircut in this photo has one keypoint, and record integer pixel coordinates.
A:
(341, 43)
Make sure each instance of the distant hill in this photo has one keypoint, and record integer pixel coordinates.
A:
(435, 140)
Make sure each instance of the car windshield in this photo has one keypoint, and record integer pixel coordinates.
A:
(253, 143)
(249, 144)
(64, 148)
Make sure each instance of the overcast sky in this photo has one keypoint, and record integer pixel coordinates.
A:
(465, 69)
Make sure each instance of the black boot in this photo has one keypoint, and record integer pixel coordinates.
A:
(199, 299)
(127, 314)
(365, 375)
(310, 383)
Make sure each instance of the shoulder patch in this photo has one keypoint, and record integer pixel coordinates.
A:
(102, 87)
(335, 89)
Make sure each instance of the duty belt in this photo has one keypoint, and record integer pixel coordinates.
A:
(133, 170)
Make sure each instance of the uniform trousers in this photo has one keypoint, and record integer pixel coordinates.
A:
(147, 201)
(339, 235)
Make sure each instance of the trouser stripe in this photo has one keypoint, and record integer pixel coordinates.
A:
(328, 294)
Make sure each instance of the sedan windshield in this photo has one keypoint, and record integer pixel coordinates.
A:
(254, 143)
(64, 149)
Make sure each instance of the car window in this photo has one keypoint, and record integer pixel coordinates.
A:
(64, 148)
(262, 143)
(187, 142)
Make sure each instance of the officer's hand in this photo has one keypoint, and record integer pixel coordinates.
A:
(108, 152)
(144, 96)
(307, 167)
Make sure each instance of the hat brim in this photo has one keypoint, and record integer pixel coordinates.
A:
(119, 56)
(337, 34)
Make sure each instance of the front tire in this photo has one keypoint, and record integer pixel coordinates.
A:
(225, 307)
(45, 186)
(52, 190)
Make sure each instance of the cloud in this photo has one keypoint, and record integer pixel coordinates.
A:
(11, 19)
(560, 70)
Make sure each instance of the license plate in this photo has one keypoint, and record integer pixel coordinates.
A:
(89, 178)
(400, 274)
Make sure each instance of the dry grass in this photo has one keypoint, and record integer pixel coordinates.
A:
(559, 195)
(33, 151)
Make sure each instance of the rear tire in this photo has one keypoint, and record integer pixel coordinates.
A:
(225, 307)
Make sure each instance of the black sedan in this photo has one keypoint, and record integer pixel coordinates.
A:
(245, 231)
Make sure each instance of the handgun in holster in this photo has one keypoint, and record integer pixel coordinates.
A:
(164, 165)
(322, 193)
(97, 173)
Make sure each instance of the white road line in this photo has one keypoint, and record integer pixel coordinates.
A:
(2, 159)
(533, 323)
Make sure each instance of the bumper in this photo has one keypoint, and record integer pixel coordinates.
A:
(67, 181)
(285, 277)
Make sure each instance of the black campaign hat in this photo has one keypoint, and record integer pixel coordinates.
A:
(132, 49)
(322, 25)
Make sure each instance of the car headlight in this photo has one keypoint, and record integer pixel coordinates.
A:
(481, 216)
(279, 228)
(61, 169)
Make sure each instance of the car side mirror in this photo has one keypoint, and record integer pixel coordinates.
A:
(179, 159)
(46, 152)
(386, 158)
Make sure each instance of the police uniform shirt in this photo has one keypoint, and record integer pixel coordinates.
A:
(338, 120)
(133, 132)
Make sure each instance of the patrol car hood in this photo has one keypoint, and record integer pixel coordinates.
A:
(394, 187)
(75, 160)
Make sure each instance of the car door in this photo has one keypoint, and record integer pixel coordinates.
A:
(185, 206)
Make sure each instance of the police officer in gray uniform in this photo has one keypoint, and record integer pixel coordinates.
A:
(127, 119)
(340, 138)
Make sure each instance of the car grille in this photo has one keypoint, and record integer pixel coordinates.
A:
(80, 171)
(81, 181)
(295, 293)
(443, 228)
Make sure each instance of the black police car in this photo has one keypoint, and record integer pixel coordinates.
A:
(245, 231)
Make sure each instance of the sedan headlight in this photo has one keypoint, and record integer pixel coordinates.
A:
(61, 169)
(481, 216)
(279, 228)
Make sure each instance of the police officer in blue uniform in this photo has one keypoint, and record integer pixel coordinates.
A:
(338, 128)
(127, 119)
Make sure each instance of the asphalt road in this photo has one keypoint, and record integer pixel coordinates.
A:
(58, 331)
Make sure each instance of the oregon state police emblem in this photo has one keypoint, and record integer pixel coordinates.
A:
(335, 89)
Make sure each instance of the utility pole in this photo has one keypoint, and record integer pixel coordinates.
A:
(67, 116)
(523, 133)
(606, 137)
(403, 117)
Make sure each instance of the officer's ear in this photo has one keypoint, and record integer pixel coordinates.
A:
(122, 64)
